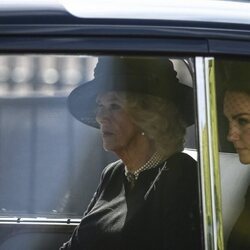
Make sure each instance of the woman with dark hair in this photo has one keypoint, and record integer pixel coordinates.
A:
(237, 112)
(149, 198)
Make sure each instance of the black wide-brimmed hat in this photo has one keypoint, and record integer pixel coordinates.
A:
(145, 75)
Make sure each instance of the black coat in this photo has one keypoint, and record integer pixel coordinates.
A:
(239, 238)
(119, 218)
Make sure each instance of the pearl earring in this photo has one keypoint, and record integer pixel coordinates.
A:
(142, 133)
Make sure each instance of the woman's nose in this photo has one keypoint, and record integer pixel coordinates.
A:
(233, 133)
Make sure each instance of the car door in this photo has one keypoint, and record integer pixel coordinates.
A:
(51, 164)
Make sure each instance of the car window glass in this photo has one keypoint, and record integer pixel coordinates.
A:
(233, 82)
(50, 162)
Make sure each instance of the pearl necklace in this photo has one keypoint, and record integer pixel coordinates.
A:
(151, 163)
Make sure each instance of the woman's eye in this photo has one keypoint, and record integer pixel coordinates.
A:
(99, 105)
(243, 121)
(114, 106)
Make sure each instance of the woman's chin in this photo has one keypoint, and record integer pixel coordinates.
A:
(244, 159)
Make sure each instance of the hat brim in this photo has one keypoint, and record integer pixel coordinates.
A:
(82, 101)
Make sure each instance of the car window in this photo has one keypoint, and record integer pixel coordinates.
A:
(232, 84)
(50, 162)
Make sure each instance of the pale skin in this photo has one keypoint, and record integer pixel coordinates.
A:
(119, 133)
(237, 111)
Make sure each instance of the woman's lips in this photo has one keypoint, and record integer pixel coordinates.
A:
(106, 133)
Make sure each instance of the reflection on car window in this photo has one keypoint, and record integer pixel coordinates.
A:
(43, 150)
(54, 160)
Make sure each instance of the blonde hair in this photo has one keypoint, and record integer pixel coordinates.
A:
(159, 119)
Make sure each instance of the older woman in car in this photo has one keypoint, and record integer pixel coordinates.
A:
(149, 198)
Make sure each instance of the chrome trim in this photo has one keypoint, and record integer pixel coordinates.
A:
(39, 221)
(208, 155)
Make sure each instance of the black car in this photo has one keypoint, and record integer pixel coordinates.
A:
(47, 170)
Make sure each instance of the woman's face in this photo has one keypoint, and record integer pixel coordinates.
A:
(118, 130)
(237, 111)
